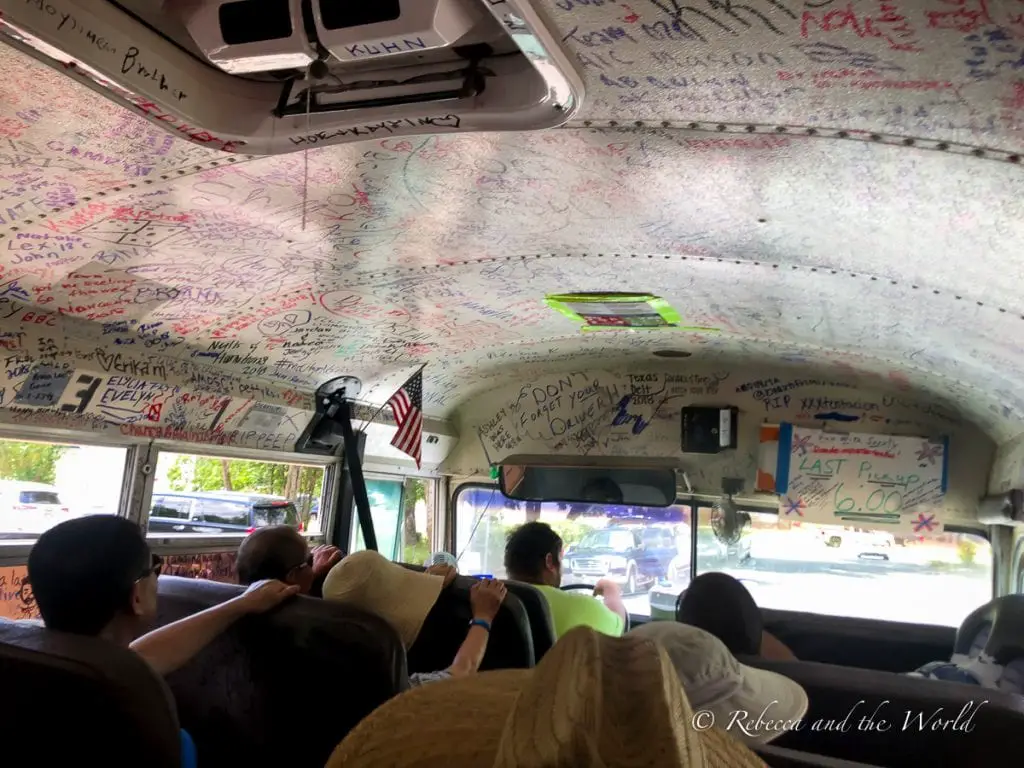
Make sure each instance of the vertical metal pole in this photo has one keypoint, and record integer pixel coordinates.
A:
(354, 445)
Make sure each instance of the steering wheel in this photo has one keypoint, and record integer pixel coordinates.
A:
(590, 588)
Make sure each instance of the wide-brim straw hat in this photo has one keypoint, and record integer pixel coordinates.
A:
(370, 582)
(594, 701)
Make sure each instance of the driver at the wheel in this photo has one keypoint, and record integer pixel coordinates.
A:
(533, 555)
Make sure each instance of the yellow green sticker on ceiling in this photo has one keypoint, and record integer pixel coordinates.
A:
(619, 311)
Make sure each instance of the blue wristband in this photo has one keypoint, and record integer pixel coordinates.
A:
(481, 623)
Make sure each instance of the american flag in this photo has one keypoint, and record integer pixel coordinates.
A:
(407, 406)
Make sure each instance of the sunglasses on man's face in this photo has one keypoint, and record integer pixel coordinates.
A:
(156, 565)
(307, 563)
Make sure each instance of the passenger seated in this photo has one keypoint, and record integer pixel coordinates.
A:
(533, 555)
(592, 701)
(754, 705)
(989, 662)
(720, 604)
(370, 582)
(95, 576)
(281, 552)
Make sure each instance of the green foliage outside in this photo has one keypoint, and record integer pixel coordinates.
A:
(418, 553)
(302, 485)
(29, 462)
(967, 551)
(415, 545)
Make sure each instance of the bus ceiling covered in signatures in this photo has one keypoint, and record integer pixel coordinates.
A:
(810, 198)
(285, 82)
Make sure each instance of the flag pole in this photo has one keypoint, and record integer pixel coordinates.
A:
(377, 412)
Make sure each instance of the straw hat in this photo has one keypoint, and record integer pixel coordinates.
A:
(754, 705)
(594, 701)
(369, 581)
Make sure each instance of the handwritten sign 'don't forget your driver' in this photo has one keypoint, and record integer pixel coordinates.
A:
(875, 480)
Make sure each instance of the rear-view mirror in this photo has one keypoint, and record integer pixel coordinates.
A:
(594, 485)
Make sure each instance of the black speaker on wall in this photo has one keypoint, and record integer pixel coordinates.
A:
(709, 430)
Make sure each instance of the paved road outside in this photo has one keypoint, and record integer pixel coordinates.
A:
(918, 584)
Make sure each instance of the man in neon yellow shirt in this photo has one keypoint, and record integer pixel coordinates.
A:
(533, 555)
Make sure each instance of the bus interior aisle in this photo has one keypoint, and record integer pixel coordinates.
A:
(708, 288)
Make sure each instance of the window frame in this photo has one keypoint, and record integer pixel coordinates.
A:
(1018, 566)
(390, 472)
(137, 485)
(16, 553)
(451, 521)
(200, 543)
(695, 501)
(368, 475)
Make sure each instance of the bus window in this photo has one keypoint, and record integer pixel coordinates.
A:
(832, 570)
(43, 484)
(630, 545)
(403, 518)
(211, 495)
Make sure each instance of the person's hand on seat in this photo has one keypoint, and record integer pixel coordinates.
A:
(446, 571)
(325, 557)
(485, 598)
(264, 595)
(172, 645)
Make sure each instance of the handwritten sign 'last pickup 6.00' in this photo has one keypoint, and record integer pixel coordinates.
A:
(844, 479)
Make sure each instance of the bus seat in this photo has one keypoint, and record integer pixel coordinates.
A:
(779, 757)
(70, 700)
(281, 689)
(542, 627)
(834, 692)
(510, 645)
(1002, 621)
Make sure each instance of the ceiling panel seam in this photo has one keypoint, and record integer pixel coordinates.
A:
(126, 188)
(797, 344)
(762, 129)
(370, 276)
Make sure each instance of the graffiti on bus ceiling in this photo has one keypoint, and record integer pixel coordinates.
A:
(618, 413)
(931, 68)
(159, 289)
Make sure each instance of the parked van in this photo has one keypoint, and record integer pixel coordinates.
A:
(219, 512)
(29, 508)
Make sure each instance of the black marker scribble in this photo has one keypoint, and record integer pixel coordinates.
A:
(677, 11)
(841, 56)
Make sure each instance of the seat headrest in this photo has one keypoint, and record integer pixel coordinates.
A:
(72, 697)
(1003, 619)
(510, 645)
(779, 757)
(281, 688)
(538, 613)
(720, 604)
(912, 721)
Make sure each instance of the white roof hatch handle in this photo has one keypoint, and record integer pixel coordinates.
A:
(241, 37)
(316, 72)
(358, 31)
